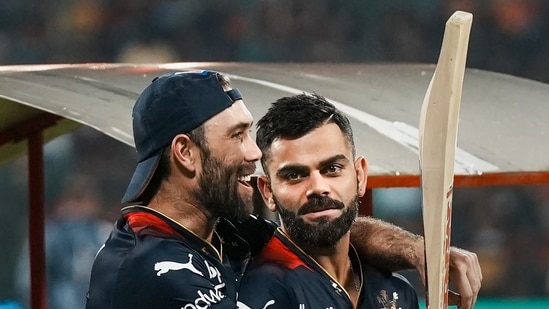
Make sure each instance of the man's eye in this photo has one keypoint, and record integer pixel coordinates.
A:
(238, 135)
(333, 168)
(293, 176)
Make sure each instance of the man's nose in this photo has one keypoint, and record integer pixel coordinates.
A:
(318, 185)
(252, 153)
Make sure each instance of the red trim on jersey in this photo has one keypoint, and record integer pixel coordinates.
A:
(148, 224)
(276, 251)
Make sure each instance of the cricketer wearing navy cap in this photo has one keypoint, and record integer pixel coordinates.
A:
(195, 159)
(172, 104)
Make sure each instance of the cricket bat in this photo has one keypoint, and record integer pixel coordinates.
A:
(438, 129)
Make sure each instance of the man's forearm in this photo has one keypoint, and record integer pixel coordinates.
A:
(387, 246)
(392, 248)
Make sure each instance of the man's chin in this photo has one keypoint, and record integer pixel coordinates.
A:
(246, 194)
(242, 210)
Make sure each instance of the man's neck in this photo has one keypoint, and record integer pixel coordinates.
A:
(335, 260)
(187, 214)
(337, 263)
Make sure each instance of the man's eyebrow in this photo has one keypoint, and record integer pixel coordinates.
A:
(333, 159)
(240, 125)
(298, 168)
(293, 168)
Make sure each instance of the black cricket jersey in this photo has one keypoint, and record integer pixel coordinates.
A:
(150, 261)
(282, 276)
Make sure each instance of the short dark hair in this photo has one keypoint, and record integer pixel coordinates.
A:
(295, 116)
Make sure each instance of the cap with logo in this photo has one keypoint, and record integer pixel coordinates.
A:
(172, 104)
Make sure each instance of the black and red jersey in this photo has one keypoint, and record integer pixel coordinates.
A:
(150, 261)
(282, 276)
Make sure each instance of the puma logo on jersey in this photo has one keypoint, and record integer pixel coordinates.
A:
(166, 266)
(242, 305)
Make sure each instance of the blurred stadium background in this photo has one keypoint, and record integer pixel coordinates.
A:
(507, 226)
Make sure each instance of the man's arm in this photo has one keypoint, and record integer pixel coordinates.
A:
(392, 248)
(387, 246)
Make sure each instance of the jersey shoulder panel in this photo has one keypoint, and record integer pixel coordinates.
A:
(276, 252)
(162, 272)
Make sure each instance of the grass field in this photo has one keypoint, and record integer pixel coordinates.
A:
(510, 303)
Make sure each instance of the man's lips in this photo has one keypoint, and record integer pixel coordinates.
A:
(246, 173)
(331, 212)
(245, 180)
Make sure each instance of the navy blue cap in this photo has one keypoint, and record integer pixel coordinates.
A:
(172, 104)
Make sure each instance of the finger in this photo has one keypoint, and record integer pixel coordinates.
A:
(466, 296)
(465, 275)
(474, 276)
(453, 298)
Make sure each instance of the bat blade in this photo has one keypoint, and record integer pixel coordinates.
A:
(437, 143)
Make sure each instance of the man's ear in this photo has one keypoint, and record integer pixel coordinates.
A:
(184, 153)
(264, 187)
(361, 168)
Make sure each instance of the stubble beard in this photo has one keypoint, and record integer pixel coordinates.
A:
(218, 190)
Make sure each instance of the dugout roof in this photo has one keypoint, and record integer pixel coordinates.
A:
(503, 133)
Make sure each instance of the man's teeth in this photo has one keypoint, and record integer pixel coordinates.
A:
(245, 178)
